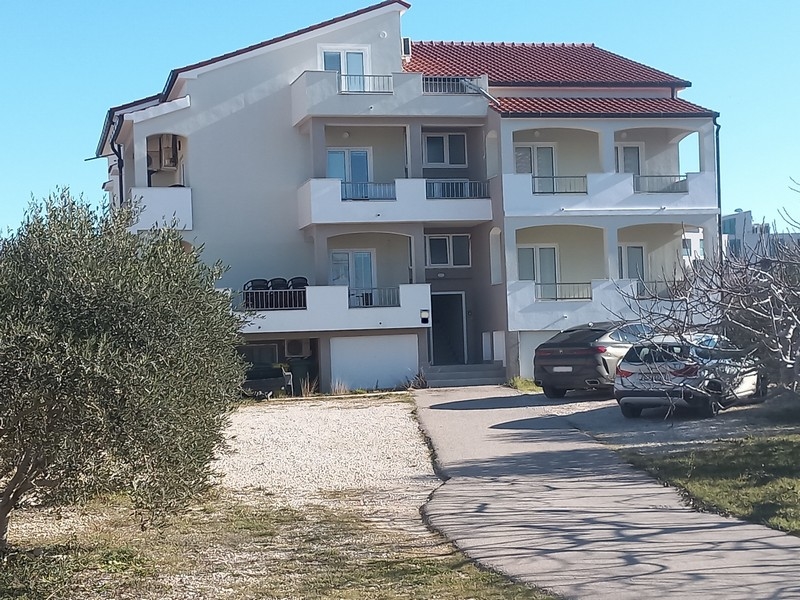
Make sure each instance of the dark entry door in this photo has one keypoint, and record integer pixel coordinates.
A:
(447, 329)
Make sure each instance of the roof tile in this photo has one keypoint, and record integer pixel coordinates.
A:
(600, 107)
(535, 65)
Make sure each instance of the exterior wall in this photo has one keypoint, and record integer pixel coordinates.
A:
(388, 156)
(581, 253)
(577, 151)
(528, 340)
(660, 152)
(662, 244)
(391, 254)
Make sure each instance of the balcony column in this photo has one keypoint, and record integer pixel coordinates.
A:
(319, 150)
(710, 238)
(707, 148)
(608, 162)
(139, 160)
(418, 256)
(612, 253)
(414, 150)
(321, 260)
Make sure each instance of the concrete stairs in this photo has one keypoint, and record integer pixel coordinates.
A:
(465, 375)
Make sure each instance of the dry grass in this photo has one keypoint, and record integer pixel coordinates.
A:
(241, 547)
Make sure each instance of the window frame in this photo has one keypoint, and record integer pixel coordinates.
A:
(536, 261)
(449, 237)
(619, 156)
(623, 248)
(343, 49)
(533, 146)
(446, 140)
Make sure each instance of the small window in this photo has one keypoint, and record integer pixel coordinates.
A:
(686, 245)
(729, 226)
(446, 149)
(702, 251)
(448, 250)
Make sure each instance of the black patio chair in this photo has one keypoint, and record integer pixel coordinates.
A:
(277, 297)
(298, 283)
(254, 293)
(298, 286)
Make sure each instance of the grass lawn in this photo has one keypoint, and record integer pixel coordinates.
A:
(755, 478)
(242, 548)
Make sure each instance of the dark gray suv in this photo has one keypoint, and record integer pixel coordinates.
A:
(584, 357)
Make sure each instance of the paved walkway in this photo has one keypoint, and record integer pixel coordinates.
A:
(533, 497)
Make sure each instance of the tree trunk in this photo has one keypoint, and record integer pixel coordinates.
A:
(5, 513)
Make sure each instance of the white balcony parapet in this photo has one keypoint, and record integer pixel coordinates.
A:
(332, 308)
(607, 192)
(610, 300)
(327, 94)
(320, 202)
(161, 205)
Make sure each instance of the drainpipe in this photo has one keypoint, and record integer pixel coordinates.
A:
(717, 127)
(117, 150)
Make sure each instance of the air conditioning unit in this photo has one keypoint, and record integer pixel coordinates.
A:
(406, 47)
(298, 348)
(168, 144)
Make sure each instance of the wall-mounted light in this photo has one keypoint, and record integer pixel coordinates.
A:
(424, 316)
(624, 135)
(346, 134)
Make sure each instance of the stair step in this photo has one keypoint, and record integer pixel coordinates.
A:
(441, 383)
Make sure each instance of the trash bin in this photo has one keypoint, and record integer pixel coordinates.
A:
(302, 369)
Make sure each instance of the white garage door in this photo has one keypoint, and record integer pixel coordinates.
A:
(377, 361)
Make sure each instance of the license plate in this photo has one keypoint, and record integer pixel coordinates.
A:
(562, 369)
(653, 378)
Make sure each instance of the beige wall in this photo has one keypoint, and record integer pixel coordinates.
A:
(387, 144)
(581, 253)
(662, 244)
(660, 154)
(577, 150)
(391, 254)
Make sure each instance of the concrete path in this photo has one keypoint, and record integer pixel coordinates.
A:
(536, 499)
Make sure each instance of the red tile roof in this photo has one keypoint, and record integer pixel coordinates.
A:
(600, 107)
(572, 65)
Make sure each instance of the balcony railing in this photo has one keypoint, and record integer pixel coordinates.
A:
(368, 190)
(450, 85)
(563, 291)
(660, 184)
(449, 188)
(374, 297)
(274, 300)
(365, 84)
(560, 184)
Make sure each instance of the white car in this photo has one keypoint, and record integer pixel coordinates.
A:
(700, 371)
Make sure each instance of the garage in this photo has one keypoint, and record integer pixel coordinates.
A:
(374, 361)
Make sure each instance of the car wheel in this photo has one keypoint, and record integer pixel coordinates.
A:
(553, 392)
(630, 411)
(710, 408)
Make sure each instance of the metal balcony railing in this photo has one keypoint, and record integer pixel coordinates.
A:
(365, 84)
(450, 85)
(660, 184)
(560, 184)
(563, 291)
(456, 188)
(374, 297)
(368, 190)
(274, 300)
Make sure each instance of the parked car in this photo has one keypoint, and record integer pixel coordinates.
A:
(701, 371)
(584, 357)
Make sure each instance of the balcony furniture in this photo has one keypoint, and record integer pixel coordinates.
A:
(276, 298)
(298, 283)
(254, 293)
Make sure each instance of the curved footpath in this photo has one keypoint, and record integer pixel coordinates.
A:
(530, 496)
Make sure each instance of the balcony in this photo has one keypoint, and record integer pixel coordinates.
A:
(599, 193)
(329, 94)
(161, 205)
(335, 308)
(331, 201)
(533, 306)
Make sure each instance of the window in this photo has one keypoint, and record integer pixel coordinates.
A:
(539, 264)
(352, 166)
(447, 250)
(445, 149)
(628, 158)
(702, 251)
(539, 161)
(729, 226)
(631, 262)
(350, 62)
(686, 246)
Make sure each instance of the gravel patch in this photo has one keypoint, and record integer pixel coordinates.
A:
(312, 451)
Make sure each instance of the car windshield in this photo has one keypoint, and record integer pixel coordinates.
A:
(651, 354)
(577, 336)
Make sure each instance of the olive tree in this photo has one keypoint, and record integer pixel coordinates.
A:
(118, 365)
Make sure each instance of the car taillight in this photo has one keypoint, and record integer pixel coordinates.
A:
(623, 372)
(600, 349)
(687, 371)
(543, 352)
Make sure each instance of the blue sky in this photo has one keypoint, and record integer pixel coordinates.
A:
(65, 63)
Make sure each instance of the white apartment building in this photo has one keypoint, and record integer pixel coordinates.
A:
(446, 203)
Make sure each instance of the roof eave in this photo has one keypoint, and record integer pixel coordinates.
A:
(593, 84)
(605, 115)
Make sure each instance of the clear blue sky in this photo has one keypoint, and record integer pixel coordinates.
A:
(65, 63)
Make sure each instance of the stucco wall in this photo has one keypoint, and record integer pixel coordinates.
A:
(581, 253)
(662, 244)
(391, 254)
(387, 146)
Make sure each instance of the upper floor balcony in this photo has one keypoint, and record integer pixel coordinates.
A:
(335, 308)
(331, 94)
(332, 201)
(527, 195)
(161, 206)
